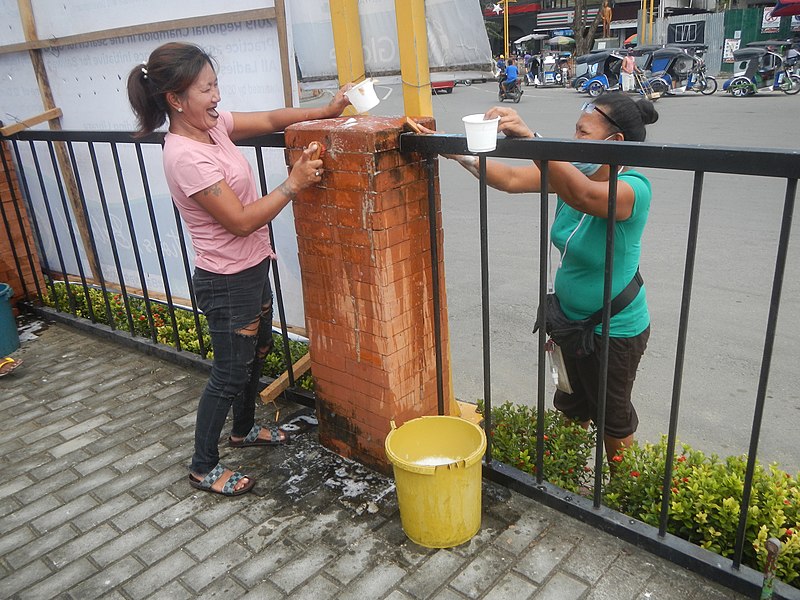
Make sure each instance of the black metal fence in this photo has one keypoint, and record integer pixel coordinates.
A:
(53, 153)
(62, 169)
(697, 160)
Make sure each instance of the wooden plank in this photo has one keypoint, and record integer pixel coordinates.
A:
(283, 45)
(60, 148)
(53, 113)
(118, 32)
(274, 389)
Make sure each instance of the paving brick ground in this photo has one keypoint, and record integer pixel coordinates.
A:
(95, 503)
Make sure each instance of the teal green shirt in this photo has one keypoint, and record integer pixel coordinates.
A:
(579, 278)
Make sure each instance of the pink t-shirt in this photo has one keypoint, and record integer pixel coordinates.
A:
(191, 166)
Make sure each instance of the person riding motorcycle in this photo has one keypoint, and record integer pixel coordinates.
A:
(512, 73)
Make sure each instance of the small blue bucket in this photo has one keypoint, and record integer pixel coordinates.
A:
(9, 337)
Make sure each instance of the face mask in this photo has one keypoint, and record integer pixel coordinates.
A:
(587, 169)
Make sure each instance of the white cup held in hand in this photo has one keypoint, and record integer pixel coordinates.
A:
(362, 96)
(481, 133)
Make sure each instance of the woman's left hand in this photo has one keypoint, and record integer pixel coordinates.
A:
(511, 124)
(340, 101)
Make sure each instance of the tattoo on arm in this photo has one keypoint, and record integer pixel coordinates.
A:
(283, 188)
(214, 190)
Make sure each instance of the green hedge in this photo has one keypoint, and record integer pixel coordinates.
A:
(274, 365)
(704, 505)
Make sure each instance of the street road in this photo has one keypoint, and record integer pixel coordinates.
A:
(739, 228)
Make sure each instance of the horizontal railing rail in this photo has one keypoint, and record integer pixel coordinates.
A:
(51, 170)
(699, 160)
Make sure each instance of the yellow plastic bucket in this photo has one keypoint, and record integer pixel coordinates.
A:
(437, 472)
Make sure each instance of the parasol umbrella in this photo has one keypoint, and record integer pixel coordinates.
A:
(631, 40)
(786, 8)
(561, 40)
(531, 36)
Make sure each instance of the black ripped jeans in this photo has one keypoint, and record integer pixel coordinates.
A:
(238, 309)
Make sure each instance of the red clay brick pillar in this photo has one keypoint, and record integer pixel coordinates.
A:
(365, 256)
(9, 194)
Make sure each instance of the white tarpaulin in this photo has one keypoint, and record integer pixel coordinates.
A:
(457, 37)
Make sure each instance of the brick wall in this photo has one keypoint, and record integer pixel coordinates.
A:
(13, 234)
(365, 257)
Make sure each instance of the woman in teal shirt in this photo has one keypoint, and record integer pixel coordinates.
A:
(579, 233)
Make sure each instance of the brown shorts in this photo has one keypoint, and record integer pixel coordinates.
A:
(624, 355)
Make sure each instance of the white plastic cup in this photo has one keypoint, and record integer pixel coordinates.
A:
(481, 133)
(362, 96)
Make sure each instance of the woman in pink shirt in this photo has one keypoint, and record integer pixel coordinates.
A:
(213, 187)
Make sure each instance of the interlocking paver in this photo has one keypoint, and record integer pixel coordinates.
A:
(511, 585)
(433, 574)
(216, 537)
(105, 510)
(158, 575)
(374, 583)
(63, 579)
(107, 580)
(216, 565)
(40, 546)
(168, 542)
(481, 572)
(124, 524)
(82, 545)
(565, 587)
(124, 544)
(144, 510)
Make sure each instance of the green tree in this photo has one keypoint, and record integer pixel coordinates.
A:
(583, 30)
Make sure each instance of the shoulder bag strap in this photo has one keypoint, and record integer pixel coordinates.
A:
(621, 300)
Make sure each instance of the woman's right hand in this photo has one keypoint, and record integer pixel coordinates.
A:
(306, 172)
(511, 124)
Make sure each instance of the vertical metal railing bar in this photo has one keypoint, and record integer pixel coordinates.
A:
(433, 218)
(70, 227)
(148, 309)
(544, 249)
(81, 273)
(27, 192)
(15, 201)
(611, 223)
(680, 351)
(92, 241)
(157, 241)
(287, 354)
(766, 361)
(487, 363)
(189, 281)
(112, 241)
(53, 230)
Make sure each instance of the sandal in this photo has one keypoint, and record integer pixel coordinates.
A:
(229, 489)
(252, 439)
(7, 365)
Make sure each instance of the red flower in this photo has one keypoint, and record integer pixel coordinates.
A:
(587, 469)
(685, 480)
(634, 473)
(789, 532)
(674, 490)
(786, 501)
(617, 458)
(682, 458)
(546, 437)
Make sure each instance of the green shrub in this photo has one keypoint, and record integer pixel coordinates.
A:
(74, 301)
(705, 500)
(567, 445)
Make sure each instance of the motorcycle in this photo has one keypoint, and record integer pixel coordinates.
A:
(513, 92)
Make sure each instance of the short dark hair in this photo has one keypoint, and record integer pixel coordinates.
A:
(171, 67)
(631, 115)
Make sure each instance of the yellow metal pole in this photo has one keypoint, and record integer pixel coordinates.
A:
(347, 43)
(652, 10)
(412, 37)
(505, 27)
